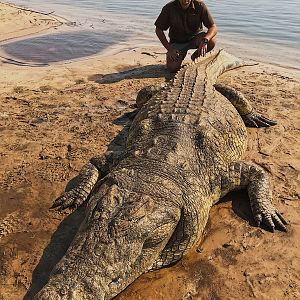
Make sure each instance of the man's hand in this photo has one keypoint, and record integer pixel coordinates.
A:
(202, 48)
(173, 54)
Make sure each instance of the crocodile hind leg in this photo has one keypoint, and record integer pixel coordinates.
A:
(243, 174)
(250, 117)
(86, 180)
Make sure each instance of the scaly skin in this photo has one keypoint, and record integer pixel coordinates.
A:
(183, 153)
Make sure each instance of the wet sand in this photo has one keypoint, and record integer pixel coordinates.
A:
(54, 118)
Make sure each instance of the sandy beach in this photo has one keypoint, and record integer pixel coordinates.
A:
(55, 118)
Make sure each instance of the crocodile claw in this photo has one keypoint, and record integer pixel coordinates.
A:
(71, 199)
(272, 219)
(254, 119)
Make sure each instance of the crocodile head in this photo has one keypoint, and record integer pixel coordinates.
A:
(122, 235)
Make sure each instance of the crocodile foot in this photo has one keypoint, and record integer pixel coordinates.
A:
(247, 174)
(86, 180)
(269, 216)
(71, 199)
(254, 119)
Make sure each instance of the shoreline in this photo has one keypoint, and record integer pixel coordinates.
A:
(55, 118)
(235, 48)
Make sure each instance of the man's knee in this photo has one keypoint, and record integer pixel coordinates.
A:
(174, 66)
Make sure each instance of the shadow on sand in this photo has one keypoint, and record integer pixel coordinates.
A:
(149, 71)
(240, 205)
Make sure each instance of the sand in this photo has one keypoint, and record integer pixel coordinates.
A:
(54, 118)
(18, 22)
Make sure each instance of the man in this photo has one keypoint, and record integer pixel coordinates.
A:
(185, 20)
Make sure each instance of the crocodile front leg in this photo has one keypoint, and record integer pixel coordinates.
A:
(243, 174)
(86, 180)
(250, 117)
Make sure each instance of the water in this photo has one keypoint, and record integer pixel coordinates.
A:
(267, 30)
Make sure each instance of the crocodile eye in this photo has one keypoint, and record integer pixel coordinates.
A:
(158, 236)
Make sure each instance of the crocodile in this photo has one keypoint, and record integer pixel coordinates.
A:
(148, 206)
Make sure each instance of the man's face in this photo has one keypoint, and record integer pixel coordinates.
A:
(185, 3)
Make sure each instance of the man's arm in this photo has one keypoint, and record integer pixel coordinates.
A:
(172, 53)
(209, 23)
(210, 34)
(162, 37)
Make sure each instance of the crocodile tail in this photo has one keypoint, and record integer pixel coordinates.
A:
(218, 62)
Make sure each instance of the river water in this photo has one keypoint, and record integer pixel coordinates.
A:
(265, 30)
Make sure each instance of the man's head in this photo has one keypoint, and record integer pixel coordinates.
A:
(185, 3)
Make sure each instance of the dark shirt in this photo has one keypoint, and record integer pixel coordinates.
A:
(184, 24)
